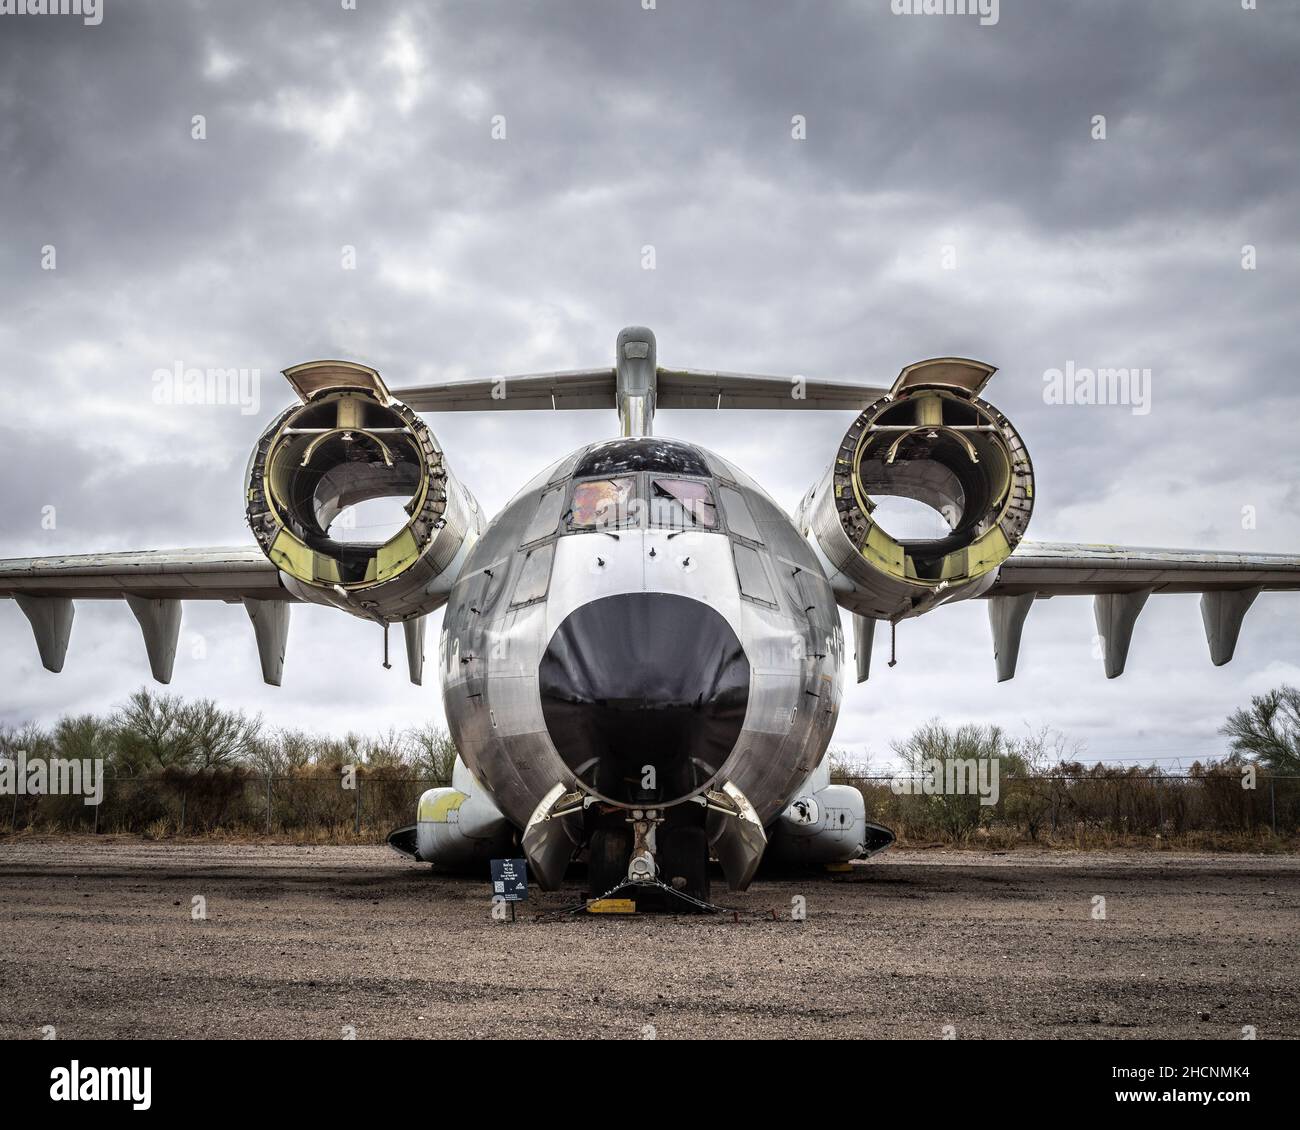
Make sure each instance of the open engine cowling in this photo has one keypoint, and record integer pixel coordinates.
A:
(933, 440)
(349, 442)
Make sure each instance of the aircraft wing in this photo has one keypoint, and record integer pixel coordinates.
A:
(675, 388)
(153, 583)
(1120, 579)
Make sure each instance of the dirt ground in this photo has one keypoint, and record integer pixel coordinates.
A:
(99, 940)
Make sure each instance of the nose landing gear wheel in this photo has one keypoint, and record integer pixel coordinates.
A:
(684, 860)
(608, 852)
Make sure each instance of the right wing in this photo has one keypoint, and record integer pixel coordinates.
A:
(153, 584)
(1068, 569)
(1120, 578)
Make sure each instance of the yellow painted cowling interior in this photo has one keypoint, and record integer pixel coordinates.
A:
(290, 451)
(1004, 474)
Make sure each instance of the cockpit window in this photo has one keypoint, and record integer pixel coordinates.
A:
(752, 576)
(739, 518)
(546, 516)
(682, 504)
(665, 456)
(534, 577)
(602, 503)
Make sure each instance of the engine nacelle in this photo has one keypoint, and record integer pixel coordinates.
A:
(933, 440)
(350, 441)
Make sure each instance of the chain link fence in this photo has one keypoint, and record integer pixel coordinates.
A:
(325, 807)
(1091, 807)
(365, 807)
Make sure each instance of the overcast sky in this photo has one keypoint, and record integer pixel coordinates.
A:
(949, 198)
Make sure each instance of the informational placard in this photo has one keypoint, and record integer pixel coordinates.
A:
(510, 879)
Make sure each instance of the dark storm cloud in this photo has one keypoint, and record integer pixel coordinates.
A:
(670, 128)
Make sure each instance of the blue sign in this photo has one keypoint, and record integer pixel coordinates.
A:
(510, 880)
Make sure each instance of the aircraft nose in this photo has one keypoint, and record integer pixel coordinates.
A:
(644, 695)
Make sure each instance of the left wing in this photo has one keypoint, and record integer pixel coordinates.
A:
(153, 584)
(1120, 578)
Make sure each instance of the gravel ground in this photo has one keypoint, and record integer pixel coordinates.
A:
(99, 941)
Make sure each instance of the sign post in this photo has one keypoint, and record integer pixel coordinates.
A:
(510, 882)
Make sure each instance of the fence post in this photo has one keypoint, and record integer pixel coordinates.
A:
(1272, 800)
(101, 801)
(268, 804)
(357, 822)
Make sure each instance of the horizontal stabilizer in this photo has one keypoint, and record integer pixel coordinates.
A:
(576, 388)
(636, 375)
(675, 388)
(701, 388)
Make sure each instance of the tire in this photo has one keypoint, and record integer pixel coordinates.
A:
(685, 856)
(608, 853)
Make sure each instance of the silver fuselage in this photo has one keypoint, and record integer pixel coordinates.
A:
(535, 583)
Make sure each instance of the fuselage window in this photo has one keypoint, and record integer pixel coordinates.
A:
(754, 582)
(682, 504)
(739, 520)
(547, 515)
(535, 576)
(603, 504)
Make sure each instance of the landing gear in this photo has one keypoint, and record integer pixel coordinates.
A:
(684, 860)
(650, 851)
(608, 852)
